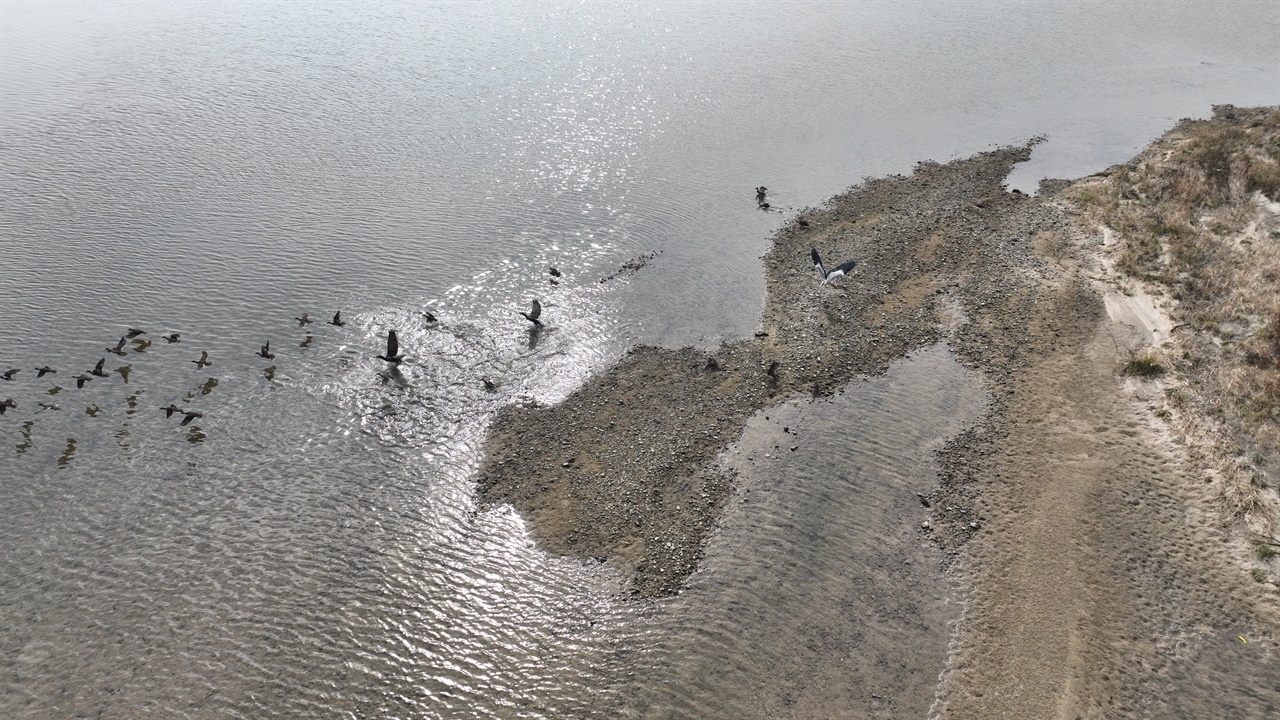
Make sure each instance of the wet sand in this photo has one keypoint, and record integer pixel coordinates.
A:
(1094, 580)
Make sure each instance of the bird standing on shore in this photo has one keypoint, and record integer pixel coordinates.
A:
(204, 360)
(266, 351)
(393, 349)
(772, 372)
(827, 277)
(533, 315)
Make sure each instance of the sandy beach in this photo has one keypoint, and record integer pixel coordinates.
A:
(1096, 569)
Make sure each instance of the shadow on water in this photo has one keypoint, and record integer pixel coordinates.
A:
(817, 597)
(65, 459)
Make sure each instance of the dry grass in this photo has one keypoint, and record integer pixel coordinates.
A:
(1191, 220)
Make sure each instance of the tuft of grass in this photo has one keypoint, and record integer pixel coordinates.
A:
(1260, 575)
(1264, 552)
(1143, 366)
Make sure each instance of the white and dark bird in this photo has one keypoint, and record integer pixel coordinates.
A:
(119, 348)
(42, 371)
(134, 332)
(8, 374)
(190, 415)
(426, 314)
(48, 406)
(204, 360)
(97, 369)
(304, 320)
(489, 384)
(827, 277)
(7, 404)
(266, 351)
(393, 349)
(533, 315)
(337, 319)
(172, 338)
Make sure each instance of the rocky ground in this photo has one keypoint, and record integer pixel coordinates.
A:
(1095, 575)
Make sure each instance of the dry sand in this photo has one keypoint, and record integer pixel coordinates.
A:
(1096, 579)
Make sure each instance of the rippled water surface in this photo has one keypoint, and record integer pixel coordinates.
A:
(309, 544)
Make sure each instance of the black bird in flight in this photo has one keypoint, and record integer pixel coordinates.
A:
(42, 371)
(97, 369)
(8, 374)
(48, 406)
(7, 404)
(204, 360)
(119, 348)
(533, 316)
(429, 317)
(169, 411)
(554, 272)
(266, 351)
(337, 319)
(829, 276)
(81, 379)
(304, 320)
(393, 349)
(134, 332)
(190, 415)
(172, 338)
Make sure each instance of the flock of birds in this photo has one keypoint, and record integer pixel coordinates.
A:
(392, 354)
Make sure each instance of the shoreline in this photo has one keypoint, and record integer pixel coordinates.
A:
(1062, 513)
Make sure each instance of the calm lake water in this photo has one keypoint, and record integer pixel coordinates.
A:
(310, 545)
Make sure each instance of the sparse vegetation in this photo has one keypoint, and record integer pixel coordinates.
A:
(1190, 218)
(1144, 366)
(1260, 575)
(1264, 552)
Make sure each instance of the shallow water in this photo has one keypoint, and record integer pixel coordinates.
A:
(310, 546)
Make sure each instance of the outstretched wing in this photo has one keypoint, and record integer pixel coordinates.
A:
(817, 262)
(120, 345)
(393, 344)
(98, 367)
(845, 268)
(537, 310)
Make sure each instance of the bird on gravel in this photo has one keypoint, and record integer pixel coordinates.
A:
(119, 348)
(489, 384)
(337, 319)
(204, 360)
(533, 315)
(837, 272)
(42, 371)
(393, 349)
(97, 369)
(8, 374)
(772, 372)
(266, 351)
